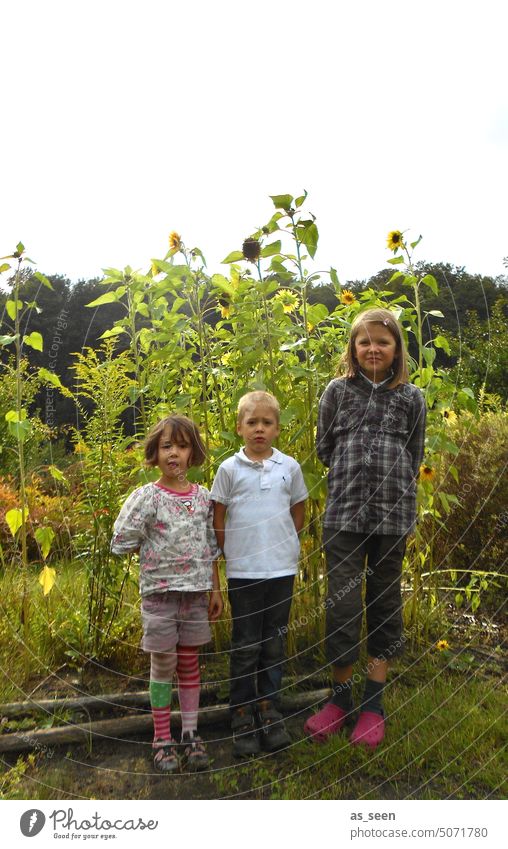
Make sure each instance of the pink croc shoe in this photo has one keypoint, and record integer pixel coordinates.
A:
(329, 720)
(369, 729)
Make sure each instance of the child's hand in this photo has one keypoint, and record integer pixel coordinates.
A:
(215, 605)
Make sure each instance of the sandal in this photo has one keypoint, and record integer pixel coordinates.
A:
(165, 758)
(194, 755)
(329, 720)
(369, 729)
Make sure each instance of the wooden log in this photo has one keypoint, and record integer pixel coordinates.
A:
(123, 726)
(108, 701)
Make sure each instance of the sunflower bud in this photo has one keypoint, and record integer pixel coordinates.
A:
(251, 249)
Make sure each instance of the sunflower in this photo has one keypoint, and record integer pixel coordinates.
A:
(154, 269)
(225, 310)
(449, 416)
(288, 300)
(251, 249)
(394, 240)
(427, 473)
(347, 297)
(175, 241)
(441, 645)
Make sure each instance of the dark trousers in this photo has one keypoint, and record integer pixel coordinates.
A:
(348, 556)
(260, 612)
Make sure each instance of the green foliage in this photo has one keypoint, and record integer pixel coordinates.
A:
(105, 380)
(482, 352)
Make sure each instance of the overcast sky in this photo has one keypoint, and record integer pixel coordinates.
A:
(125, 120)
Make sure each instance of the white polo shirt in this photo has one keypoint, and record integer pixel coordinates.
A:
(260, 541)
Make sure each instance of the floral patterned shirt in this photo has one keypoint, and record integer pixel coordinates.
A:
(174, 535)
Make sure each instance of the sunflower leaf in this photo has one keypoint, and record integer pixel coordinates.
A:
(396, 260)
(282, 201)
(234, 256)
(271, 250)
(430, 281)
(34, 340)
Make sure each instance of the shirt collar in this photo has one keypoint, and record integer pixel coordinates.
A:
(376, 385)
(275, 458)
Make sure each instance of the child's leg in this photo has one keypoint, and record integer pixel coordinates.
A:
(246, 598)
(189, 686)
(162, 668)
(384, 613)
(384, 632)
(278, 596)
(345, 559)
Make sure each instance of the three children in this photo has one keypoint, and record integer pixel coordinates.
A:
(370, 434)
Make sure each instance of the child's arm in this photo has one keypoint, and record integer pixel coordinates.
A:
(298, 513)
(130, 528)
(326, 415)
(219, 519)
(216, 604)
(416, 441)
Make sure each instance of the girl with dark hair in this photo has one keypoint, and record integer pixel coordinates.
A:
(170, 523)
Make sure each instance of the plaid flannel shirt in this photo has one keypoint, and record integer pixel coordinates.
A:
(372, 440)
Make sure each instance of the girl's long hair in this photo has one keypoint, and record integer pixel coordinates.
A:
(348, 366)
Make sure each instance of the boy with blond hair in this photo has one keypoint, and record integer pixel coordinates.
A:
(259, 508)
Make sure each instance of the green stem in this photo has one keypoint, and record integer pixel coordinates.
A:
(21, 458)
(268, 333)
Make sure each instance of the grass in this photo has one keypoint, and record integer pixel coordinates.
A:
(446, 712)
(446, 739)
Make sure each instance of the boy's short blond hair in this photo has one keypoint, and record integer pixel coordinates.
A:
(257, 397)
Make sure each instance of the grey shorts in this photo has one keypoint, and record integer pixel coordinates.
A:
(174, 618)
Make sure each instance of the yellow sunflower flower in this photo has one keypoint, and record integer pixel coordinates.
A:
(225, 311)
(175, 241)
(427, 473)
(347, 297)
(155, 270)
(441, 645)
(310, 327)
(394, 240)
(288, 300)
(450, 416)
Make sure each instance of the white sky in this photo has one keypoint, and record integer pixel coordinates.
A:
(125, 120)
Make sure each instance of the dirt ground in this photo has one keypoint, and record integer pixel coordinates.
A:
(124, 770)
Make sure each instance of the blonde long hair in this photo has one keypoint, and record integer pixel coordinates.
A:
(348, 366)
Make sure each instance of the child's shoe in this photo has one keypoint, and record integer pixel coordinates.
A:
(245, 735)
(194, 756)
(329, 720)
(271, 727)
(165, 758)
(369, 729)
